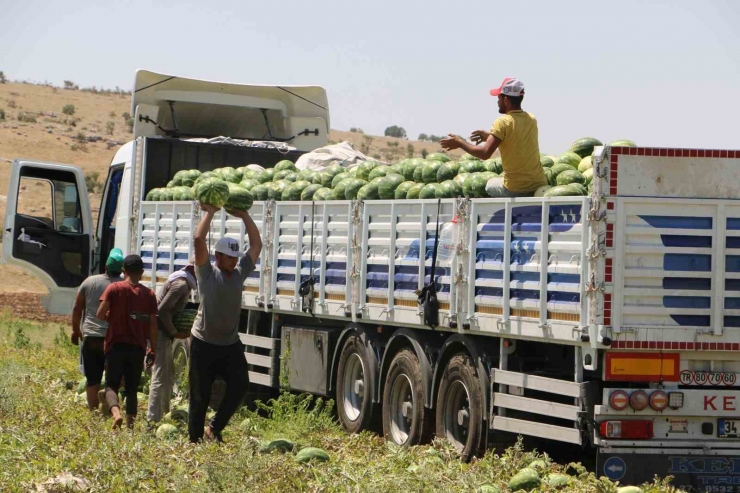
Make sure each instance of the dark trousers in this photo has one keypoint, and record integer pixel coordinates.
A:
(208, 361)
(93, 358)
(123, 361)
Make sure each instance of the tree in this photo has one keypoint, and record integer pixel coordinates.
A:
(3, 79)
(424, 153)
(435, 138)
(395, 131)
(356, 130)
(68, 84)
(410, 151)
(423, 137)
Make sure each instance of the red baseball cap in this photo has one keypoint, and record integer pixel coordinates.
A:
(509, 87)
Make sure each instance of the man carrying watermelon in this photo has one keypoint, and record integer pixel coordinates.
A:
(516, 136)
(170, 302)
(216, 349)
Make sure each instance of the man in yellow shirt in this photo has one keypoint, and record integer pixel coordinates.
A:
(515, 135)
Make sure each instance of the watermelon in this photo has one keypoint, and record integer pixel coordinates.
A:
(418, 178)
(632, 489)
(546, 162)
(183, 321)
(459, 179)
(429, 171)
(262, 176)
(260, 192)
(309, 191)
(324, 179)
(429, 191)
(447, 171)
(153, 195)
(622, 143)
(549, 176)
(255, 167)
(307, 175)
(280, 445)
(166, 195)
(353, 187)
(387, 186)
(559, 168)
(414, 191)
(527, 479)
(558, 480)
(275, 190)
(586, 163)
(402, 190)
(212, 191)
(570, 158)
(285, 164)
(589, 175)
(186, 177)
(269, 174)
(378, 171)
(294, 190)
(340, 187)
(353, 172)
(229, 174)
(570, 176)
(311, 453)
(246, 172)
(467, 186)
(479, 184)
(339, 177)
(292, 177)
(178, 415)
(205, 176)
(585, 146)
(182, 193)
(438, 156)
(334, 170)
(280, 175)
(368, 192)
(449, 189)
(323, 194)
(248, 183)
(166, 431)
(240, 199)
(398, 167)
(364, 169)
(540, 192)
(410, 167)
(561, 191)
(468, 157)
(472, 166)
(578, 188)
(171, 184)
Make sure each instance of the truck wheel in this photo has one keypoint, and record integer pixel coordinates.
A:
(354, 402)
(460, 406)
(406, 421)
(180, 356)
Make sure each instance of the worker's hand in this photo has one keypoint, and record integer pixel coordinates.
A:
(150, 357)
(479, 136)
(208, 208)
(451, 142)
(182, 335)
(76, 336)
(237, 213)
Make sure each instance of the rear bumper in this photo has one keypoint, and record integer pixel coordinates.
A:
(693, 469)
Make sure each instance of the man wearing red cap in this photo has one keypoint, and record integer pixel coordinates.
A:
(515, 135)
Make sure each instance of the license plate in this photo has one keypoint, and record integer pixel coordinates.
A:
(728, 428)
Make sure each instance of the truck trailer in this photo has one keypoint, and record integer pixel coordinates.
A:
(610, 322)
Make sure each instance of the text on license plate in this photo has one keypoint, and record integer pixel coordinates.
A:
(728, 428)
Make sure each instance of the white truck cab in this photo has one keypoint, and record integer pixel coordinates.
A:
(59, 243)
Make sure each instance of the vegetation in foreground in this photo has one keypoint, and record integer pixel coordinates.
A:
(46, 432)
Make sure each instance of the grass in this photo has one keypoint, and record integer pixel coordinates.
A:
(46, 431)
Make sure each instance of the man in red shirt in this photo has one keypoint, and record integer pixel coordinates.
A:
(131, 311)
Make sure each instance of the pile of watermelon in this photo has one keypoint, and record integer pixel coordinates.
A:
(436, 177)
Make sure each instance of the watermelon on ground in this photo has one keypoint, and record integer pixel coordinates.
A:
(353, 187)
(340, 187)
(275, 190)
(585, 146)
(239, 198)
(285, 164)
(586, 163)
(570, 176)
(323, 194)
(378, 171)
(570, 158)
(449, 190)
(429, 191)
(339, 177)
(212, 191)
(259, 192)
(429, 171)
(387, 186)
(369, 191)
(364, 169)
(309, 191)
(402, 190)
(414, 191)
(438, 156)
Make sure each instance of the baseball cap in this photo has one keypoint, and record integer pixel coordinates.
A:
(509, 87)
(115, 260)
(133, 263)
(228, 246)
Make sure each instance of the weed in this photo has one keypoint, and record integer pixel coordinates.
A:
(93, 183)
(110, 127)
(12, 103)
(2, 114)
(20, 339)
(68, 109)
(26, 117)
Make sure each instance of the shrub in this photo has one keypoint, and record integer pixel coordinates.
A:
(11, 104)
(130, 125)
(110, 127)
(68, 84)
(92, 181)
(68, 109)
(410, 150)
(126, 115)
(423, 137)
(3, 79)
(356, 130)
(395, 131)
(26, 117)
(424, 153)
(2, 114)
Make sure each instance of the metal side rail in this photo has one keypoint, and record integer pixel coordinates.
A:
(269, 362)
(503, 401)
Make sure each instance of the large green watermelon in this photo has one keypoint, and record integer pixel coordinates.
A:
(378, 171)
(262, 176)
(429, 171)
(438, 156)
(550, 176)
(166, 195)
(468, 157)
(369, 191)
(414, 191)
(183, 321)
(559, 168)
(308, 175)
(586, 163)
(309, 192)
(622, 143)
(260, 192)
(353, 187)
(410, 167)
(291, 177)
(229, 174)
(570, 158)
(429, 191)
(246, 173)
(570, 176)
(447, 171)
(294, 190)
(364, 169)
(340, 188)
(418, 171)
(171, 184)
(285, 164)
(449, 190)
(540, 192)
(269, 174)
(479, 184)
(239, 198)
(153, 195)
(324, 179)
(493, 165)
(589, 175)
(546, 161)
(402, 190)
(182, 193)
(212, 191)
(339, 177)
(562, 191)
(585, 146)
(387, 186)
(334, 170)
(460, 179)
(398, 167)
(323, 194)
(472, 166)
(186, 177)
(353, 171)
(275, 189)
(205, 176)
(248, 183)
(280, 175)
(467, 186)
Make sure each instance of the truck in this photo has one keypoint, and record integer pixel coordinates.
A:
(609, 322)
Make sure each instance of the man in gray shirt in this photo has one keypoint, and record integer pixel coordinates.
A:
(90, 329)
(216, 349)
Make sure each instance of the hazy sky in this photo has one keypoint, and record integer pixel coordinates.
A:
(662, 73)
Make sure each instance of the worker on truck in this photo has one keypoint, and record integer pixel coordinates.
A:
(216, 349)
(515, 135)
(86, 326)
(170, 303)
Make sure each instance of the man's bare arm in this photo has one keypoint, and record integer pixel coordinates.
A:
(103, 310)
(202, 257)
(153, 333)
(77, 312)
(484, 151)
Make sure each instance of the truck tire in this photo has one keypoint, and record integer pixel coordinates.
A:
(406, 422)
(354, 402)
(460, 407)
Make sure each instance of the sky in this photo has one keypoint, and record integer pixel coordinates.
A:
(660, 73)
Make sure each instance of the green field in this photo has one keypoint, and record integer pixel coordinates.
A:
(44, 433)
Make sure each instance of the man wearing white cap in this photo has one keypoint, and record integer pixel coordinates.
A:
(216, 349)
(516, 136)
(170, 303)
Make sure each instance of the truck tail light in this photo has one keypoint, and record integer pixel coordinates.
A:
(633, 429)
(675, 400)
(639, 400)
(658, 400)
(619, 400)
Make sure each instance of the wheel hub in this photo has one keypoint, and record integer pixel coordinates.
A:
(353, 387)
(456, 414)
(401, 409)
(462, 417)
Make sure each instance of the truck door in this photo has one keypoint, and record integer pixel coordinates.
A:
(48, 228)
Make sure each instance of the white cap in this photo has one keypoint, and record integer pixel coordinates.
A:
(228, 246)
(509, 87)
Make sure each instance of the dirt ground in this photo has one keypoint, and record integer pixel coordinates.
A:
(28, 306)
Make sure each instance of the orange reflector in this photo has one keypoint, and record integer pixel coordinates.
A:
(642, 367)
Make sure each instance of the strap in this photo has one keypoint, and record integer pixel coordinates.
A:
(436, 244)
(305, 290)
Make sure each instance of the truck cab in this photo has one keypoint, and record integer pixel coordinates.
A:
(58, 241)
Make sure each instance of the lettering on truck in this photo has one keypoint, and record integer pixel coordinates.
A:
(721, 474)
(714, 403)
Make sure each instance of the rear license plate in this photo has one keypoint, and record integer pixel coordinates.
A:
(728, 428)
